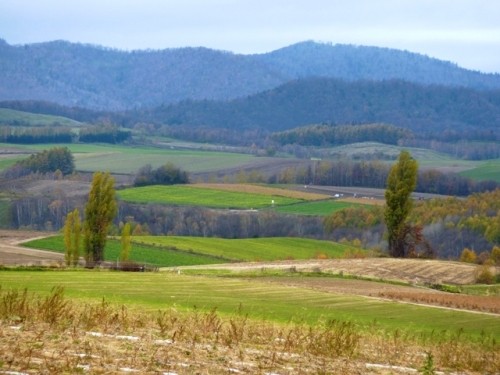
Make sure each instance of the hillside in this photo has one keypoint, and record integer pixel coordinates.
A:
(351, 62)
(102, 78)
(318, 100)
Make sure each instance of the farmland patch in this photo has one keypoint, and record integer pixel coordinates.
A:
(196, 196)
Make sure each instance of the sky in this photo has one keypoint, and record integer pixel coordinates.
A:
(466, 32)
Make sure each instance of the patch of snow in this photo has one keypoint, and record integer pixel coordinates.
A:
(123, 337)
(128, 369)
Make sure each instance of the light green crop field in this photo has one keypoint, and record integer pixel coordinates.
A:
(9, 116)
(9, 161)
(489, 170)
(169, 251)
(140, 253)
(188, 195)
(260, 300)
(128, 159)
(318, 208)
(251, 249)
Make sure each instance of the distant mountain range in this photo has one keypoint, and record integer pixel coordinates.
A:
(105, 79)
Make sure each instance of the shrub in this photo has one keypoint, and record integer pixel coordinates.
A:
(468, 256)
(495, 255)
(484, 275)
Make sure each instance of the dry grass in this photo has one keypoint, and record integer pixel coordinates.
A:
(415, 271)
(55, 335)
(258, 189)
(489, 304)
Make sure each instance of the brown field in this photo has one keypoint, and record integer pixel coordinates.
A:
(12, 254)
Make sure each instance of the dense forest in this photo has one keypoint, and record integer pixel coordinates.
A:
(103, 78)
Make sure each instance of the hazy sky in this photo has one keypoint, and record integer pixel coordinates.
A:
(466, 32)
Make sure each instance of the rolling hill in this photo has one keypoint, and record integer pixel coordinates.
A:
(319, 100)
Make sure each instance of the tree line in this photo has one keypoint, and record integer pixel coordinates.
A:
(335, 135)
(57, 134)
(374, 174)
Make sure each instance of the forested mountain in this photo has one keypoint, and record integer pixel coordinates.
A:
(423, 109)
(348, 62)
(100, 78)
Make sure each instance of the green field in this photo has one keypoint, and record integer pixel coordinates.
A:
(169, 251)
(186, 195)
(13, 117)
(489, 170)
(318, 208)
(9, 161)
(260, 300)
(140, 253)
(251, 249)
(127, 159)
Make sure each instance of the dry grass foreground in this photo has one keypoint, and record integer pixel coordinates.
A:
(54, 335)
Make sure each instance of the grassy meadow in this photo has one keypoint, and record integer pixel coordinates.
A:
(318, 208)
(9, 116)
(141, 253)
(489, 170)
(251, 249)
(258, 300)
(170, 251)
(191, 195)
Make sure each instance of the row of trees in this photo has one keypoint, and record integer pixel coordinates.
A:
(58, 134)
(100, 211)
(334, 135)
(374, 174)
(34, 135)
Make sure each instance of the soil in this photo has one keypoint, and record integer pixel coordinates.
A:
(13, 254)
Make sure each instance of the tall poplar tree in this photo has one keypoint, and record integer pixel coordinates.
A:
(100, 210)
(72, 235)
(401, 182)
(126, 243)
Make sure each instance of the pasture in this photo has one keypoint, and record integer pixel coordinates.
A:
(251, 249)
(260, 300)
(126, 159)
(170, 251)
(191, 195)
(140, 253)
(317, 208)
(20, 118)
(489, 170)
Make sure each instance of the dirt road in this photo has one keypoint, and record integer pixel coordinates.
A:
(13, 254)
